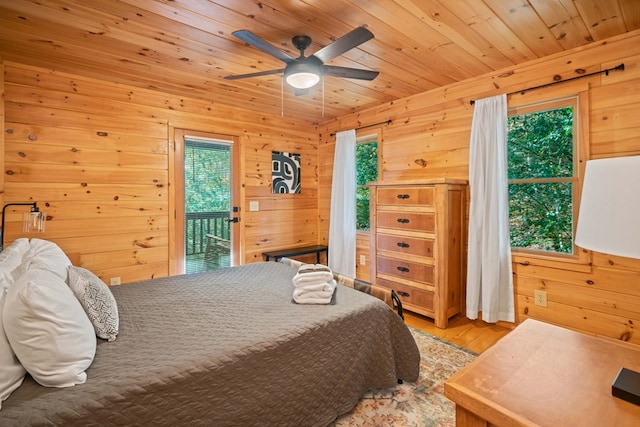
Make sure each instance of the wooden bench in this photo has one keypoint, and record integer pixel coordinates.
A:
(302, 250)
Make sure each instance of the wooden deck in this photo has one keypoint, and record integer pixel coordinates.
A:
(197, 264)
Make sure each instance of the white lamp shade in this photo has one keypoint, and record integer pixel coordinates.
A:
(609, 216)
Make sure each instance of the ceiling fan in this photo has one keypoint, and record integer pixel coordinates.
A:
(304, 72)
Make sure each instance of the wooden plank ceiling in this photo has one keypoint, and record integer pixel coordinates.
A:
(185, 47)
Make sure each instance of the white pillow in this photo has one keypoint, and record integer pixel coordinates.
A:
(11, 371)
(97, 300)
(48, 329)
(48, 256)
(11, 260)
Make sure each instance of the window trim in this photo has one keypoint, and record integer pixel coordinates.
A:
(580, 101)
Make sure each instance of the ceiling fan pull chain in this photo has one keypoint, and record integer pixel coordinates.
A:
(323, 96)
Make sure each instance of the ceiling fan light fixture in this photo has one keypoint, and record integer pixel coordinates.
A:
(302, 75)
(305, 72)
(303, 80)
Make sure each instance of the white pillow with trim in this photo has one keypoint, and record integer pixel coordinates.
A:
(47, 255)
(12, 263)
(48, 329)
(11, 371)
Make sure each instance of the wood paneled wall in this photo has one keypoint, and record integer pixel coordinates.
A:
(429, 137)
(97, 158)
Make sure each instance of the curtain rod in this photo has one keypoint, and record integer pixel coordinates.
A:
(617, 68)
(386, 122)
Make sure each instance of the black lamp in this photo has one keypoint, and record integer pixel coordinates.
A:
(31, 221)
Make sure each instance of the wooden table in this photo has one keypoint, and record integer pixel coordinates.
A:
(301, 250)
(544, 375)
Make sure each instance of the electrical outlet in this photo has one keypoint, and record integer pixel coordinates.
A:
(114, 281)
(363, 260)
(540, 298)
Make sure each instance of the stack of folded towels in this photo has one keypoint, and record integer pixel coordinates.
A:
(313, 284)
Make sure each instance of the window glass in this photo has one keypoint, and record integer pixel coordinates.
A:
(542, 182)
(366, 172)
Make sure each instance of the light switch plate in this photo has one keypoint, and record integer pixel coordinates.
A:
(254, 206)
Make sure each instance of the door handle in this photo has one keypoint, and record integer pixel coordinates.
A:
(234, 219)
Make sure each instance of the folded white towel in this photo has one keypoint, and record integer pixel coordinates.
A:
(320, 290)
(312, 278)
(315, 294)
(308, 268)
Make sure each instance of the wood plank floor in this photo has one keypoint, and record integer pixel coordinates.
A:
(474, 335)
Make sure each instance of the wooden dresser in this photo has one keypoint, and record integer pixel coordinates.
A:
(418, 245)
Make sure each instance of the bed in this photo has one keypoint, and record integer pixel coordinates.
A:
(228, 348)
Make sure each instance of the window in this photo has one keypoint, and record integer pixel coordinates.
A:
(543, 177)
(366, 171)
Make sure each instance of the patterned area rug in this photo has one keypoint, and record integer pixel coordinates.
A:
(414, 404)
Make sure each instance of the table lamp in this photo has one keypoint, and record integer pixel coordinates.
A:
(609, 222)
(31, 221)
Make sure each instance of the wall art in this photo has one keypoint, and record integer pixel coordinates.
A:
(285, 172)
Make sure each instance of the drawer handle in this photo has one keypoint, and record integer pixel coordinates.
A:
(403, 244)
(403, 220)
(403, 269)
(403, 196)
(403, 294)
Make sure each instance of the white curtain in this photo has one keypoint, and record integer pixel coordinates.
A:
(342, 226)
(489, 280)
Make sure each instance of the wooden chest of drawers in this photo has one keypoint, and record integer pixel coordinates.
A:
(418, 244)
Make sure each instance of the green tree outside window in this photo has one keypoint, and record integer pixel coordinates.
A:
(366, 171)
(540, 150)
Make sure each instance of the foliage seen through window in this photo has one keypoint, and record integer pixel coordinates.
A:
(541, 172)
(366, 171)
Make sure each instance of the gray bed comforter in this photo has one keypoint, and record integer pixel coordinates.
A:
(228, 348)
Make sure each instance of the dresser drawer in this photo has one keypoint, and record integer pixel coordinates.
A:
(410, 295)
(405, 245)
(414, 221)
(414, 271)
(422, 196)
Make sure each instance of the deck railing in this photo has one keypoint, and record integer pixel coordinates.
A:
(199, 224)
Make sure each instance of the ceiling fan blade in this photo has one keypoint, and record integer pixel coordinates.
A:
(349, 73)
(343, 44)
(259, 73)
(255, 41)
